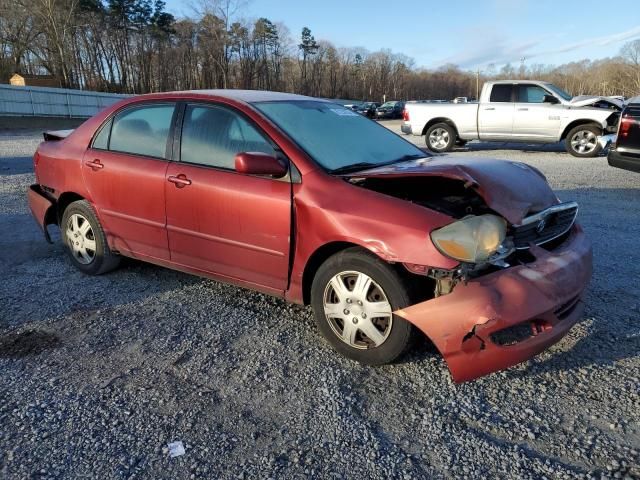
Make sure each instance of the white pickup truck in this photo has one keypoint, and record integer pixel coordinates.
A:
(516, 111)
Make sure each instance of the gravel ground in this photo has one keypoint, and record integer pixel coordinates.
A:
(98, 374)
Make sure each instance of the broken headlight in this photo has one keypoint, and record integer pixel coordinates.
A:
(473, 239)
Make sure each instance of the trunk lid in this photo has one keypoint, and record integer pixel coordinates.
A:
(56, 135)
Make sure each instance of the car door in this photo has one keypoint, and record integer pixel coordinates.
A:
(533, 119)
(220, 221)
(125, 170)
(495, 117)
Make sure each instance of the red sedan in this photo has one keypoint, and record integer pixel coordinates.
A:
(307, 200)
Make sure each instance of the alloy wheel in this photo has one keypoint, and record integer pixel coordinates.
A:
(584, 141)
(439, 138)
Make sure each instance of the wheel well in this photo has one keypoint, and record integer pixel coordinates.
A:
(63, 202)
(433, 121)
(421, 288)
(575, 123)
(316, 259)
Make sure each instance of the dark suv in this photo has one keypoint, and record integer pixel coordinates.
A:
(390, 110)
(625, 153)
(368, 109)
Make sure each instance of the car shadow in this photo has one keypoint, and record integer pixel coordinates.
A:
(475, 146)
(523, 147)
(33, 265)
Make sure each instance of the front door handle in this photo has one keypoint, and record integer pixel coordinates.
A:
(523, 109)
(94, 164)
(489, 108)
(180, 181)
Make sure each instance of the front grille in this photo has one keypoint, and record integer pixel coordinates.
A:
(544, 226)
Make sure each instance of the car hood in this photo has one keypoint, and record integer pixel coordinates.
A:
(512, 189)
(587, 100)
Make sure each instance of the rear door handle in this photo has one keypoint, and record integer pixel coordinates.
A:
(489, 108)
(94, 164)
(523, 109)
(180, 181)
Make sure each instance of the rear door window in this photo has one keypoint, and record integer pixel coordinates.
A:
(142, 130)
(501, 93)
(101, 140)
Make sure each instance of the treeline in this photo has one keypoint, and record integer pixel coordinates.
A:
(136, 46)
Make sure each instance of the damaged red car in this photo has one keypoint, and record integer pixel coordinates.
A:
(307, 200)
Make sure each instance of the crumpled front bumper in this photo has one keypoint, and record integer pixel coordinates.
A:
(478, 327)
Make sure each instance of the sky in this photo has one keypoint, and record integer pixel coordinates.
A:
(472, 34)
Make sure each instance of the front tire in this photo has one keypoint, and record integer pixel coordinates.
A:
(440, 137)
(85, 240)
(582, 141)
(353, 296)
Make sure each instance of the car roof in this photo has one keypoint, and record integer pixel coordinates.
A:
(250, 96)
(500, 82)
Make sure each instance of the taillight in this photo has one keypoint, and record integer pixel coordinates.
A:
(405, 115)
(625, 126)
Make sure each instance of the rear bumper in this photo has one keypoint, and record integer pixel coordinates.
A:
(40, 207)
(626, 162)
(478, 327)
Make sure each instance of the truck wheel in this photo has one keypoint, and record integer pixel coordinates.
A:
(582, 141)
(354, 295)
(85, 240)
(440, 137)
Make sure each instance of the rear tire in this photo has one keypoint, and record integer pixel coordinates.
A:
(85, 240)
(582, 141)
(353, 296)
(440, 137)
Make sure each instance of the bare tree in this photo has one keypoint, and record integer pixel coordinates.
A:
(135, 46)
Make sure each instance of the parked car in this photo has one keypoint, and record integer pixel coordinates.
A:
(517, 111)
(390, 110)
(625, 153)
(368, 109)
(307, 200)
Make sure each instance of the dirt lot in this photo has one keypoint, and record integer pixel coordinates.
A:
(98, 374)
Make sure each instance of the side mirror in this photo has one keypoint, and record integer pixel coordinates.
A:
(258, 163)
(550, 99)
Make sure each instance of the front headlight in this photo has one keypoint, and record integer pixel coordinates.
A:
(473, 239)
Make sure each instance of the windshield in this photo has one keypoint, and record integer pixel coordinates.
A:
(389, 104)
(336, 137)
(558, 91)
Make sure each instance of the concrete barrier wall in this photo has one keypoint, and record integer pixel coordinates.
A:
(53, 102)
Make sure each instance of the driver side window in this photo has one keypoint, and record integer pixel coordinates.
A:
(213, 135)
(531, 94)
